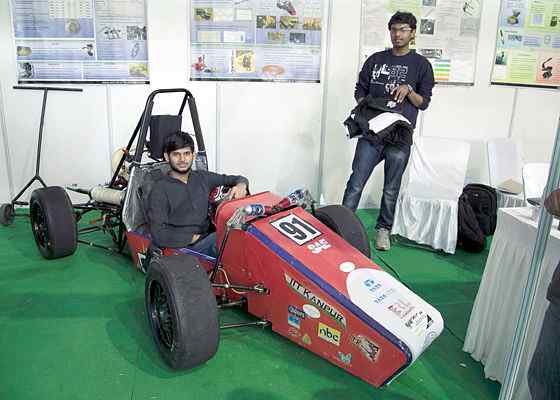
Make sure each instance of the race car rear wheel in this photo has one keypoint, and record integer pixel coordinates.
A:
(6, 214)
(53, 222)
(344, 222)
(182, 311)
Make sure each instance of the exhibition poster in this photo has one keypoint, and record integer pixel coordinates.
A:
(528, 43)
(80, 40)
(446, 33)
(256, 40)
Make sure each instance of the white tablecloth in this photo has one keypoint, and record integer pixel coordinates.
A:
(496, 308)
(509, 200)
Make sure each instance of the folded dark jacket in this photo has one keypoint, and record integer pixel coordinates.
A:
(387, 128)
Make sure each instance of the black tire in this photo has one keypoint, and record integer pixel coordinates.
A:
(7, 214)
(344, 222)
(182, 311)
(53, 222)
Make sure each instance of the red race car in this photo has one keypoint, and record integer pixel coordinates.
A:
(306, 272)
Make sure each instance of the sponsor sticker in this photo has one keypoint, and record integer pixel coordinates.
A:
(311, 311)
(368, 347)
(401, 308)
(328, 334)
(294, 332)
(306, 339)
(296, 311)
(319, 246)
(430, 337)
(331, 311)
(296, 229)
(345, 358)
(347, 266)
(294, 321)
(419, 322)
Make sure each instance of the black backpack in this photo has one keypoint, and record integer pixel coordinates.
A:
(484, 203)
(469, 235)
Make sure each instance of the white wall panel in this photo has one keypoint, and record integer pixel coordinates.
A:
(342, 74)
(271, 134)
(6, 187)
(535, 122)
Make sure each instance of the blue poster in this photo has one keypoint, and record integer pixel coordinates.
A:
(256, 40)
(81, 40)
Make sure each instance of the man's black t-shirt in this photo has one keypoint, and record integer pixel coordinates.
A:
(178, 210)
(383, 71)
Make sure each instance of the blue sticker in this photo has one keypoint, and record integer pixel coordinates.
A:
(294, 321)
(345, 358)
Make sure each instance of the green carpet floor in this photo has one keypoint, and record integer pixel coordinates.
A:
(76, 328)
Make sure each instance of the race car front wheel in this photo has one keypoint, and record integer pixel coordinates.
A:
(182, 311)
(53, 222)
(344, 222)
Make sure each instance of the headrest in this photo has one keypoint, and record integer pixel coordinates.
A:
(161, 126)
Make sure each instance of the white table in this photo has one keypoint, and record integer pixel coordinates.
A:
(496, 308)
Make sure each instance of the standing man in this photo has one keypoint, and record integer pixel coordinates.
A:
(408, 78)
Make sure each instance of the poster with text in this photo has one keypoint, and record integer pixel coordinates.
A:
(256, 40)
(528, 44)
(446, 33)
(80, 41)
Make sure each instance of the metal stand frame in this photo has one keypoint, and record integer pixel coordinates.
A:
(15, 201)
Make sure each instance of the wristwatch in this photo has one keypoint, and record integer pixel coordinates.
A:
(410, 89)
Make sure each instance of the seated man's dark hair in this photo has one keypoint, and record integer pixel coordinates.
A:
(402, 18)
(178, 140)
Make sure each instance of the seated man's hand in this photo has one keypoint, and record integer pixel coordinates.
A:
(195, 237)
(238, 191)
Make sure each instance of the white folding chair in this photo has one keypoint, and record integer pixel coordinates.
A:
(535, 176)
(426, 210)
(504, 168)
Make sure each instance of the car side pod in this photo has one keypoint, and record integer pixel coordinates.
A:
(325, 295)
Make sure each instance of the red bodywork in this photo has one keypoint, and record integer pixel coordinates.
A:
(302, 277)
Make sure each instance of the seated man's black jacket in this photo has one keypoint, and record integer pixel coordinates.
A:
(178, 210)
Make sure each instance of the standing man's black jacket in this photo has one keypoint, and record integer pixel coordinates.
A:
(178, 210)
(383, 71)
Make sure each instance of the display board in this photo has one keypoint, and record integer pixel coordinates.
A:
(446, 33)
(256, 40)
(80, 41)
(528, 44)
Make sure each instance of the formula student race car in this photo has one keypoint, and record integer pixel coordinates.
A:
(306, 272)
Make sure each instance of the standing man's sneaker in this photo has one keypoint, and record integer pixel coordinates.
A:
(382, 241)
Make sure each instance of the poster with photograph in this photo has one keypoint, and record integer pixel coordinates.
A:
(446, 33)
(256, 40)
(528, 44)
(83, 41)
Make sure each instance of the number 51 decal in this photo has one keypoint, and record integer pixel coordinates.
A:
(296, 229)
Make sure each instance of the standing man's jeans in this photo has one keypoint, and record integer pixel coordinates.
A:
(367, 156)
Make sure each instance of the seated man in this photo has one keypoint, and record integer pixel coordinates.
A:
(178, 203)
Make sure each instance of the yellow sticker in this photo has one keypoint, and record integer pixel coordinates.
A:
(328, 334)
